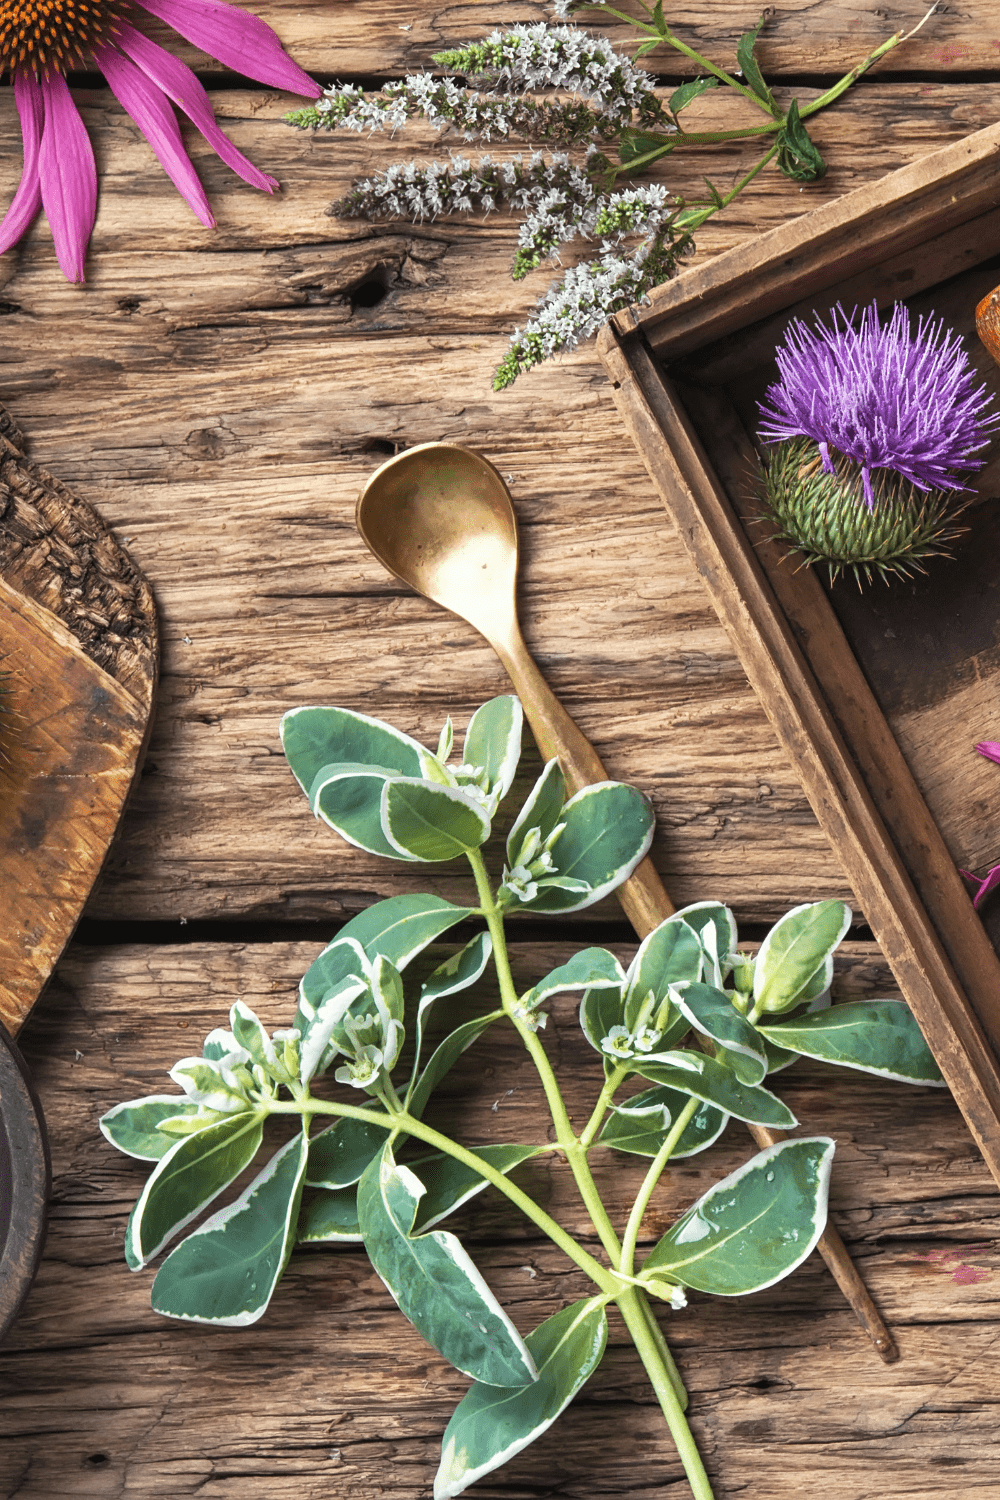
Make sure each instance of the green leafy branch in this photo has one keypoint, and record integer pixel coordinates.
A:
(365, 1167)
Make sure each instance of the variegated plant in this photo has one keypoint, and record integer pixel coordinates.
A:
(365, 1167)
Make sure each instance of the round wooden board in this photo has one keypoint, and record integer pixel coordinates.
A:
(24, 1181)
(78, 640)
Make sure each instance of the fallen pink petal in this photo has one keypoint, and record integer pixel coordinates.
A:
(39, 46)
(989, 748)
(988, 883)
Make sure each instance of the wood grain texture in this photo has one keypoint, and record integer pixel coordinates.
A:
(79, 643)
(69, 759)
(251, 397)
(100, 1397)
(342, 38)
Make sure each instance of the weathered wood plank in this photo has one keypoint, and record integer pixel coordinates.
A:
(289, 256)
(342, 39)
(100, 1397)
(250, 404)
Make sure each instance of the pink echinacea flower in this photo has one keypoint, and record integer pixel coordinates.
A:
(41, 39)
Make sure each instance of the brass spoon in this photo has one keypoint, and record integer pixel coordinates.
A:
(441, 519)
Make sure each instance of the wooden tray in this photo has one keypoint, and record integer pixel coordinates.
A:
(879, 726)
(79, 644)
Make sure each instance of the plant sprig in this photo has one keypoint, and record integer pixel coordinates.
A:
(365, 1166)
(612, 106)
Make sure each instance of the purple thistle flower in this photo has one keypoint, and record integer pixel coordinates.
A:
(882, 396)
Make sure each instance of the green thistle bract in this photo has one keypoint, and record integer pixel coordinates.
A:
(827, 518)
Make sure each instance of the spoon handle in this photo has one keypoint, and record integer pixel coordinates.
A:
(646, 903)
(643, 895)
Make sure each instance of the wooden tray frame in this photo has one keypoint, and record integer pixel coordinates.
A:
(912, 223)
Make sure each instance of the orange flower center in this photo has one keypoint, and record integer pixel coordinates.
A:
(51, 36)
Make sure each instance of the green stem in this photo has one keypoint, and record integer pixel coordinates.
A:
(612, 1084)
(408, 1124)
(638, 1324)
(679, 46)
(649, 1183)
(565, 1135)
(654, 1352)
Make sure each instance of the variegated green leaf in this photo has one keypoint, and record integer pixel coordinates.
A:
(641, 1124)
(755, 1226)
(435, 1283)
(214, 1085)
(195, 1170)
(796, 947)
(330, 1218)
(493, 741)
(133, 1126)
(490, 1425)
(711, 1012)
(250, 1033)
(705, 1078)
(399, 928)
(600, 1010)
(608, 829)
(541, 811)
(339, 1155)
(431, 823)
(671, 953)
(457, 973)
(348, 799)
(315, 737)
(226, 1271)
(449, 1183)
(873, 1036)
(591, 968)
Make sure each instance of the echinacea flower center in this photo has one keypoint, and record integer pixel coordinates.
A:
(51, 36)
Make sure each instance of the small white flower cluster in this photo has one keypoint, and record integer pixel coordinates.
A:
(639, 211)
(561, 199)
(407, 190)
(447, 106)
(586, 297)
(556, 57)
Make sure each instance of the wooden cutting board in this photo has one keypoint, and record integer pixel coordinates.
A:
(79, 641)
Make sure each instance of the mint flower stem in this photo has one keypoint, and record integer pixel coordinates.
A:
(668, 37)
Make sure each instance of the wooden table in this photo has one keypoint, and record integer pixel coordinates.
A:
(221, 398)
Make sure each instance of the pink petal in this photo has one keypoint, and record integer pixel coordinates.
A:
(158, 123)
(237, 39)
(28, 198)
(68, 176)
(990, 883)
(989, 748)
(178, 82)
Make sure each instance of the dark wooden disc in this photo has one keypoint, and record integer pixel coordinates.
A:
(24, 1181)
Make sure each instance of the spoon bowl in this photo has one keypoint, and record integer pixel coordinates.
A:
(440, 518)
